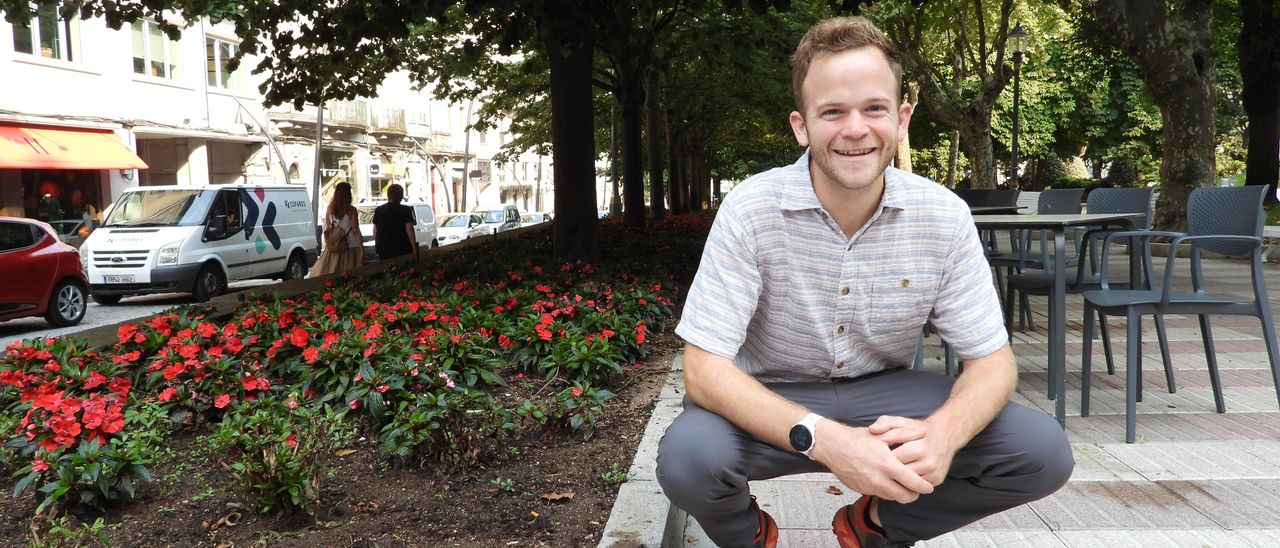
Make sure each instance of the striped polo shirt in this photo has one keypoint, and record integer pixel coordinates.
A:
(787, 296)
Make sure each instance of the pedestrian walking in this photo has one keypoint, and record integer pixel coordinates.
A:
(393, 222)
(343, 244)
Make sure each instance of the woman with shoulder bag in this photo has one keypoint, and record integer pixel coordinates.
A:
(343, 243)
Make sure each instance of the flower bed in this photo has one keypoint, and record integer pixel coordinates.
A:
(415, 359)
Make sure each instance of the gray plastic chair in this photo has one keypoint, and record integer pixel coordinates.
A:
(1227, 221)
(1052, 201)
(1087, 274)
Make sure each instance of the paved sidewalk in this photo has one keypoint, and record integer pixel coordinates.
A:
(1194, 478)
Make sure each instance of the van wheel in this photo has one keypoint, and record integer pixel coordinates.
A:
(296, 269)
(67, 304)
(107, 300)
(435, 244)
(209, 284)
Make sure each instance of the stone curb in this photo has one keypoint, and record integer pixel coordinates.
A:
(642, 517)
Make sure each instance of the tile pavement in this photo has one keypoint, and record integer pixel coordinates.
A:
(1194, 478)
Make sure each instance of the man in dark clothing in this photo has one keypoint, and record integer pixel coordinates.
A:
(393, 226)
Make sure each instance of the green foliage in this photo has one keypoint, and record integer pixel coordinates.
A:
(615, 475)
(580, 405)
(278, 451)
(449, 426)
(506, 484)
(62, 532)
(93, 475)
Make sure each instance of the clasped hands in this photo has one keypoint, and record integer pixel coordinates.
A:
(895, 458)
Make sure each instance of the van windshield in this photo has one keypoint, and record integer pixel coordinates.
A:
(495, 216)
(160, 208)
(454, 221)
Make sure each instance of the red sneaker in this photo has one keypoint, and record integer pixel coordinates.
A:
(767, 537)
(852, 527)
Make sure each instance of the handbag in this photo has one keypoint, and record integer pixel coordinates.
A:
(335, 238)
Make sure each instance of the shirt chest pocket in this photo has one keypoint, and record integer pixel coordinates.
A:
(900, 306)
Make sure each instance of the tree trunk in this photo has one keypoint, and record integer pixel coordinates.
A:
(677, 167)
(975, 136)
(903, 158)
(1260, 72)
(1171, 47)
(573, 145)
(657, 191)
(953, 159)
(631, 95)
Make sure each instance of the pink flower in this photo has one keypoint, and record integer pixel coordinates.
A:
(221, 401)
(354, 404)
(577, 391)
(39, 465)
(293, 405)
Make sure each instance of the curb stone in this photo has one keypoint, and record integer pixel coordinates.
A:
(642, 516)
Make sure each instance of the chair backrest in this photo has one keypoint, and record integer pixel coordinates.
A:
(1059, 200)
(1232, 210)
(988, 197)
(1123, 200)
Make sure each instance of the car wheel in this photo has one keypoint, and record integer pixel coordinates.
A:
(107, 300)
(296, 269)
(209, 283)
(67, 304)
(435, 244)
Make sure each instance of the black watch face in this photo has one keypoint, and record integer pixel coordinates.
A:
(801, 439)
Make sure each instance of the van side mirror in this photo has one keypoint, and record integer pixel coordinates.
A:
(217, 228)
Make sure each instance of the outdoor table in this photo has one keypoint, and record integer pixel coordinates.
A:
(1058, 224)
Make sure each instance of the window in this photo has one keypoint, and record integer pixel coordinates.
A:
(48, 37)
(218, 54)
(154, 53)
(16, 236)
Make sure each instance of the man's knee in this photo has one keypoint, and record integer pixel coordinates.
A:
(1048, 452)
(692, 470)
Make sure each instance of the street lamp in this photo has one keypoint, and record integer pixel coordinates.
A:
(1019, 37)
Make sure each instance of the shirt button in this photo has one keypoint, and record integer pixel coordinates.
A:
(840, 365)
(840, 329)
(844, 291)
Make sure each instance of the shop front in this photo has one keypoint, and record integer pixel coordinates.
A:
(50, 173)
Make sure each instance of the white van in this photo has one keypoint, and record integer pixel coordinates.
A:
(162, 239)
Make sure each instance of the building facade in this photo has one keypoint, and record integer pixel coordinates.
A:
(176, 107)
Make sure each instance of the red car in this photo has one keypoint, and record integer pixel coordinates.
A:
(40, 275)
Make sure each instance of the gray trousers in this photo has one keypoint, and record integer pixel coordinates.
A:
(705, 462)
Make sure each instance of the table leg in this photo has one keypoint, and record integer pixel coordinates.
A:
(1057, 328)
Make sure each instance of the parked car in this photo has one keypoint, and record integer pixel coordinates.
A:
(535, 217)
(39, 274)
(425, 229)
(455, 227)
(72, 231)
(501, 219)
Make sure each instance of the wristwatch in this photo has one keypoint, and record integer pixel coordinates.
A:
(804, 435)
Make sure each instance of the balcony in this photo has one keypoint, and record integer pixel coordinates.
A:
(439, 143)
(353, 114)
(388, 120)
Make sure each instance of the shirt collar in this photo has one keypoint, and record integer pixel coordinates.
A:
(798, 195)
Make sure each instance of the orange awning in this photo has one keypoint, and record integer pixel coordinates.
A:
(40, 148)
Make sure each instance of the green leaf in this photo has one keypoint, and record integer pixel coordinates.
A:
(25, 482)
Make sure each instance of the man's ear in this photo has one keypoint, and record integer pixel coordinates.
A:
(904, 118)
(798, 128)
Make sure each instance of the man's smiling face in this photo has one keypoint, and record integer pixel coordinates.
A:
(852, 119)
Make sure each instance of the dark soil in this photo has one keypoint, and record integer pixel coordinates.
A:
(549, 490)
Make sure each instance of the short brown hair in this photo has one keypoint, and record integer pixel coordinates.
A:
(836, 35)
(395, 193)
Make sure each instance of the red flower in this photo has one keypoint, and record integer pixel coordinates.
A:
(298, 336)
(52, 366)
(189, 351)
(167, 394)
(577, 391)
(221, 401)
(120, 385)
(95, 380)
(249, 382)
(311, 354)
(505, 342)
(39, 465)
(126, 332)
(543, 333)
(607, 333)
(291, 441)
(206, 330)
(173, 370)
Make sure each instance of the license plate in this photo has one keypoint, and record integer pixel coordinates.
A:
(119, 279)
